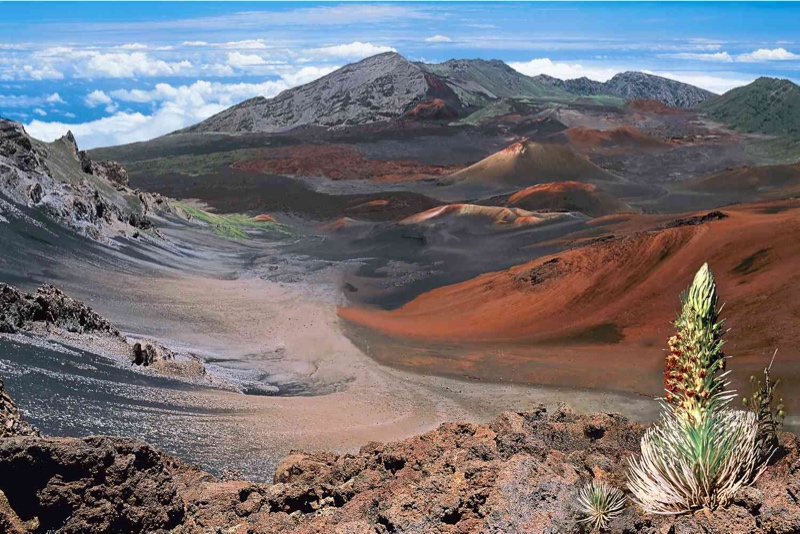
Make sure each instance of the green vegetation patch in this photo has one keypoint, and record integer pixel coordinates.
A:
(767, 106)
(233, 225)
(190, 164)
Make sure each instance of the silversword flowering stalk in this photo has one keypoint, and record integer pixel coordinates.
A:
(701, 452)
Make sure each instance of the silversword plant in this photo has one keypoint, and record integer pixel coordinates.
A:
(598, 503)
(701, 452)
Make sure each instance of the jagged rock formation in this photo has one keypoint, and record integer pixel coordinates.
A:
(65, 184)
(48, 307)
(768, 106)
(50, 311)
(379, 88)
(634, 85)
(518, 473)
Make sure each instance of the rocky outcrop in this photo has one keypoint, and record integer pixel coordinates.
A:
(111, 171)
(634, 85)
(47, 308)
(90, 485)
(12, 423)
(163, 360)
(17, 147)
(51, 312)
(66, 185)
(518, 473)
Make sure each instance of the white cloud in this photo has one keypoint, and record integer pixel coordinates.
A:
(97, 98)
(722, 57)
(91, 63)
(248, 44)
(194, 43)
(565, 71)
(201, 93)
(118, 128)
(217, 69)
(239, 60)
(765, 54)
(715, 84)
(130, 65)
(64, 52)
(133, 46)
(55, 98)
(307, 74)
(42, 72)
(140, 46)
(439, 39)
(40, 112)
(175, 108)
(27, 101)
(354, 50)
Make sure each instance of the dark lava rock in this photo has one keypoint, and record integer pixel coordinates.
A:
(147, 354)
(111, 171)
(695, 221)
(35, 193)
(49, 306)
(89, 485)
(516, 474)
(17, 146)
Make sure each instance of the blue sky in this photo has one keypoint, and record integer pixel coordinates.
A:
(121, 72)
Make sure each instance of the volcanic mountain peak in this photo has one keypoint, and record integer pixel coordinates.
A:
(378, 88)
(768, 105)
(634, 85)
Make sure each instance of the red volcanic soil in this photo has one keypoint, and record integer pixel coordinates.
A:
(765, 182)
(337, 162)
(264, 218)
(652, 106)
(624, 137)
(599, 315)
(431, 109)
(570, 196)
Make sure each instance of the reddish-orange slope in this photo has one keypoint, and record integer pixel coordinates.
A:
(570, 196)
(623, 289)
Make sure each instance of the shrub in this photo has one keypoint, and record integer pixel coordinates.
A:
(770, 415)
(700, 452)
(598, 503)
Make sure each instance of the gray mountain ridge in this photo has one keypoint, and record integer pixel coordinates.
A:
(386, 86)
(633, 85)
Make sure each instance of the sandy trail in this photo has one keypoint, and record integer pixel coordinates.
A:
(292, 331)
